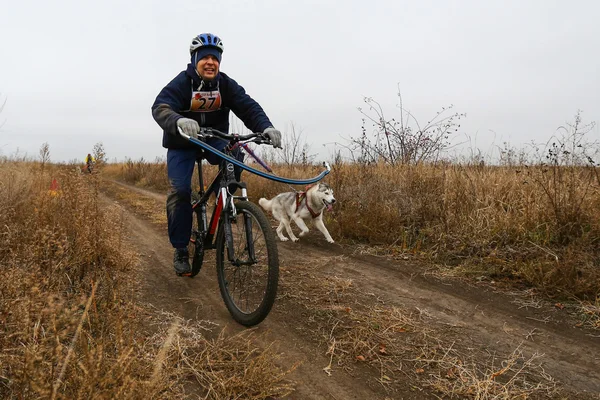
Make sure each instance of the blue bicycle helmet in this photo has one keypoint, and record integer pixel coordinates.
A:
(206, 44)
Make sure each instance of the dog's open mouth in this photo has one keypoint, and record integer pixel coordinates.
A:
(328, 205)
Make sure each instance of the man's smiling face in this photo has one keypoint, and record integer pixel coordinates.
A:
(208, 67)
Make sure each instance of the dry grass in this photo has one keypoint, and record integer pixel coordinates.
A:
(63, 299)
(141, 173)
(70, 327)
(590, 313)
(537, 225)
(516, 376)
(150, 208)
(359, 331)
(381, 337)
(225, 367)
(481, 221)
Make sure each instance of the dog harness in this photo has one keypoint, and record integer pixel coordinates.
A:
(302, 196)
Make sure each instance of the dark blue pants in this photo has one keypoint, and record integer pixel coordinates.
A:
(180, 168)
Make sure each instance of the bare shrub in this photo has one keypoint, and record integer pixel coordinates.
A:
(296, 151)
(568, 176)
(44, 154)
(403, 141)
(99, 155)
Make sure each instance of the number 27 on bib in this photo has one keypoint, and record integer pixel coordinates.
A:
(206, 101)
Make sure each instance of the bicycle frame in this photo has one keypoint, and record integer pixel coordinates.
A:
(223, 203)
(210, 229)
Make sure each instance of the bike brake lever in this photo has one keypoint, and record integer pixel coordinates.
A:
(206, 133)
(261, 140)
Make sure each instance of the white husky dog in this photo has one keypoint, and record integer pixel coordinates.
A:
(299, 206)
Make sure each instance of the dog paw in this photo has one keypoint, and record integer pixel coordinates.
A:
(303, 233)
(331, 240)
(295, 240)
(284, 239)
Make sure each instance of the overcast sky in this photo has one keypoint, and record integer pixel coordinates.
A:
(75, 73)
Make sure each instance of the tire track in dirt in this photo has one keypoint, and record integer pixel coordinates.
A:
(200, 299)
(483, 316)
(475, 316)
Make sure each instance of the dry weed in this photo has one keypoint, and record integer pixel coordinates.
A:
(224, 367)
(516, 376)
(590, 313)
(140, 173)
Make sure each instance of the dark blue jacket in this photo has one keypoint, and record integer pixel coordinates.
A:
(174, 102)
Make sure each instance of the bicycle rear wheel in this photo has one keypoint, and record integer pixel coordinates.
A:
(247, 264)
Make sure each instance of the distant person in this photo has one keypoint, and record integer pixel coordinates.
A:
(200, 96)
(89, 163)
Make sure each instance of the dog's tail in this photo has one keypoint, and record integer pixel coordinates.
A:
(266, 204)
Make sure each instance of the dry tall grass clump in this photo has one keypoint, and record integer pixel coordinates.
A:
(537, 224)
(226, 367)
(140, 173)
(69, 324)
(495, 221)
(63, 310)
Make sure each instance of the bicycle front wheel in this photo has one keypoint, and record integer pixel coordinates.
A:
(196, 245)
(247, 264)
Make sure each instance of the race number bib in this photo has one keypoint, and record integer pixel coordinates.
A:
(206, 101)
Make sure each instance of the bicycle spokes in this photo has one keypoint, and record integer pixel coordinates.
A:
(248, 267)
(196, 247)
(249, 238)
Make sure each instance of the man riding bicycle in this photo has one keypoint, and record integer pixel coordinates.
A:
(200, 96)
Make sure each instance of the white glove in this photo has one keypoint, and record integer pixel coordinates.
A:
(274, 135)
(189, 127)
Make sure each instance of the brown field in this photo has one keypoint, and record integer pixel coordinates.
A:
(536, 226)
(449, 281)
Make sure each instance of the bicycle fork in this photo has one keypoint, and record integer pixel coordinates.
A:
(229, 239)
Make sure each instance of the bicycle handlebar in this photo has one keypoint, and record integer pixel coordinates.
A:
(211, 132)
(261, 140)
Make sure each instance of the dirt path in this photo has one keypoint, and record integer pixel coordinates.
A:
(473, 318)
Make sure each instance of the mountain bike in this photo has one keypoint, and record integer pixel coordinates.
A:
(247, 259)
